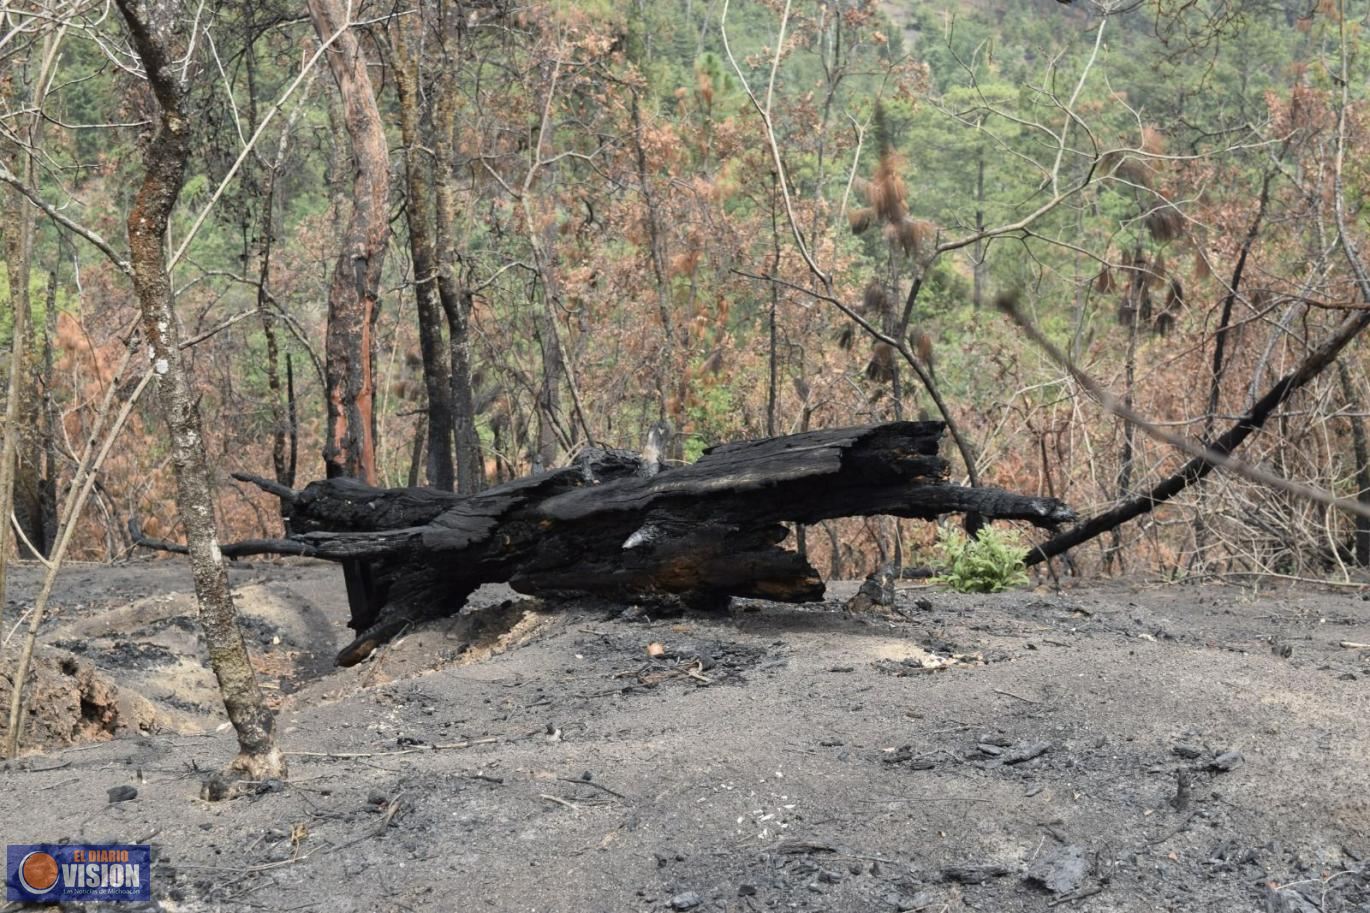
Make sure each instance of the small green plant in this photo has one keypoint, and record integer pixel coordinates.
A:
(990, 563)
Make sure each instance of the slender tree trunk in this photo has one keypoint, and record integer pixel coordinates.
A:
(150, 25)
(419, 216)
(416, 450)
(19, 242)
(47, 492)
(773, 368)
(979, 255)
(257, 254)
(19, 253)
(455, 300)
(544, 322)
(666, 368)
(284, 437)
(279, 425)
(1362, 454)
(292, 419)
(1133, 310)
(27, 504)
(354, 293)
(1215, 384)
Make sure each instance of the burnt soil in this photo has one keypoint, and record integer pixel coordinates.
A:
(1019, 752)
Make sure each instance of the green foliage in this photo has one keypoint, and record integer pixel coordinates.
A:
(713, 419)
(990, 563)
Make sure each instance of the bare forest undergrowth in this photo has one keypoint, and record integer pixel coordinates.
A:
(1014, 752)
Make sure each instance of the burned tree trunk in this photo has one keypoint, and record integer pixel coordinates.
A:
(419, 216)
(612, 525)
(354, 293)
(455, 299)
(1198, 468)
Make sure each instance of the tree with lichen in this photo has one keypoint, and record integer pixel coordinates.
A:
(158, 43)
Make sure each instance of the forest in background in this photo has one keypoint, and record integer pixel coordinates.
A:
(576, 220)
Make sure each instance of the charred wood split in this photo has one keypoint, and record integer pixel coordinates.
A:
(611, 525)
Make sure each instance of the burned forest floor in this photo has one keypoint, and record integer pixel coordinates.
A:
(1102, 748)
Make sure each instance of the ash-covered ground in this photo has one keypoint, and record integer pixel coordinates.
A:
(1108, 748)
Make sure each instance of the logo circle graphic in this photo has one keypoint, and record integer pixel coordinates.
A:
(38, 873)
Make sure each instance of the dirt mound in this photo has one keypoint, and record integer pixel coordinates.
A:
(121, 651)
(69, 701)
(488, 626)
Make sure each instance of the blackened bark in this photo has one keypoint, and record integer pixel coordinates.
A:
(151, 28)
(419, 217)
(470, 457)
(1361, 450)
(1197, 469)
(1225, 319)
(354, 293)
(456, 300)
(258, 254)
(611, 526)
(417, 451)
(279, 424)
(292, 417)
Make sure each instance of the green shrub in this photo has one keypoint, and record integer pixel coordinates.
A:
(990, 563)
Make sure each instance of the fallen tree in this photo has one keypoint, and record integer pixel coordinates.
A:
(1198, 467)
(614, 525)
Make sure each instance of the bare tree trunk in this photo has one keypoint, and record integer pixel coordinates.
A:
(19, 253)
(668, 407)
(354, 294)
(1362, 453)
(456, 304)
(257, 254)
(456, 301)
(31, 480)
(285, 435)
(47, 488)
(165, 157)
(419, 216)
(979, 254)
(19, 244)
(1132, 308)
(279, 425)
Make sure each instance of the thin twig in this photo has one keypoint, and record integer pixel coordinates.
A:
(1026, 700)
(598, 786)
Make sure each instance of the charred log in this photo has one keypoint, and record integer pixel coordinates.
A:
(612, 526)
